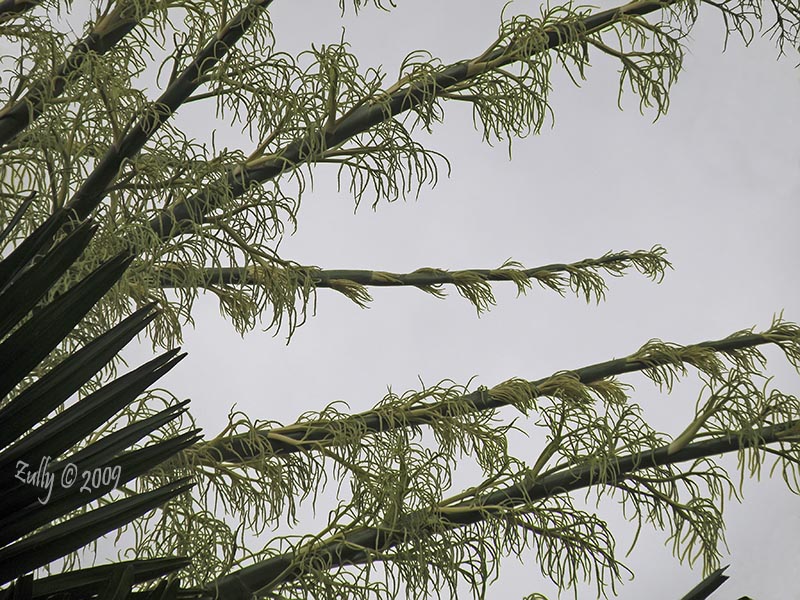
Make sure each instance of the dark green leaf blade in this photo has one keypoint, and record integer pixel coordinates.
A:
(52, 390)
(17, 217)
(81, 419)
(33, 515)
(708, 586)
(34, 340)
(91, 581)
(21, 296)
(119, 584)
(27, 250)
(59, 540)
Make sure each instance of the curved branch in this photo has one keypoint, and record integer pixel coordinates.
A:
(311, 437)
(104, 36)
(354, 547)
(9, 9)
(94, 188)
(174, 219)
(550, 275)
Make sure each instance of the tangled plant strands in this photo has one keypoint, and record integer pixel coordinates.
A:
(76, 128)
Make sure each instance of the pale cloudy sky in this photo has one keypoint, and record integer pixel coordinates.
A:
(716, 181)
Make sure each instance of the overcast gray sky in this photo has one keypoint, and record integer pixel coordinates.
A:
(716, 181)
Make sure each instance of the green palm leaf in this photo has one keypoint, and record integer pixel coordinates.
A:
(34, 532)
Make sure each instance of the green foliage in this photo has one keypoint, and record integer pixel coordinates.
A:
(82, 128)
(320, 107)
(262, 471)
